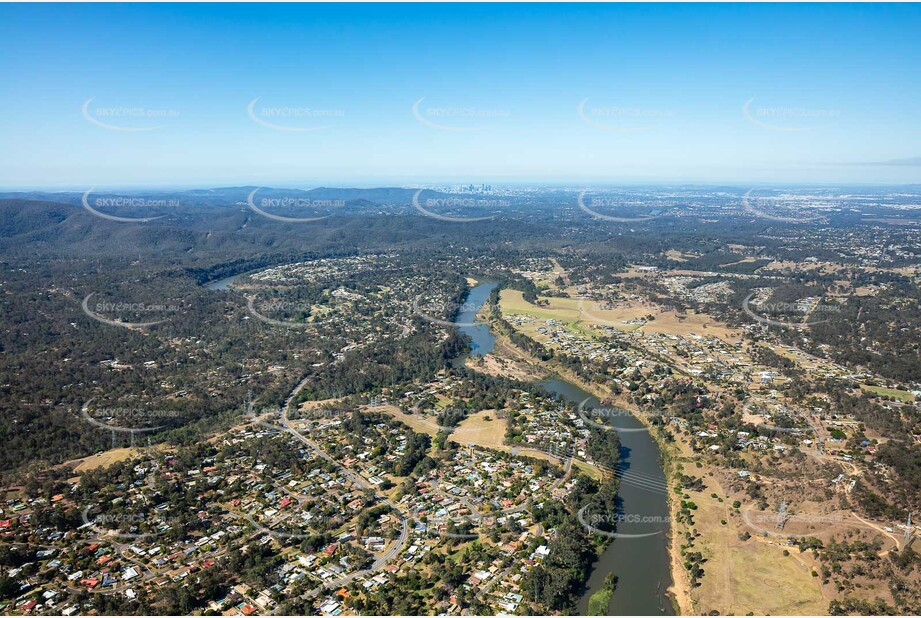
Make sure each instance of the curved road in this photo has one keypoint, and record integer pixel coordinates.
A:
(391, 553)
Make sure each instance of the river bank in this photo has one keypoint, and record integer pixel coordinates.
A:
(678, 592)
(639, 556)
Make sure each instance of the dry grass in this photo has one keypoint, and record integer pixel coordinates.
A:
(476, 431)
(678, 256)
(690, 323)
(500, 366)
(747, 260)
(588, 469)
(765, 581)
(102, 460)
(316, 405)
(481, 429)
(746, 576)
(417, 422)
(582, 315)
(508, 361)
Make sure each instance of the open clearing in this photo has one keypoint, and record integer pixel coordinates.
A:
(481, 429)
(106, 458)
(764, 580)
(316, 405)
(743, 576)
(477, 431)
(581, 315)
(506, 361)
(888, 392)
(677, 256)
(740, 576)
(502, 366)
(417, 422)
(753, 575)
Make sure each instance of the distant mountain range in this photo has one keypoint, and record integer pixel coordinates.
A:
(198, 220)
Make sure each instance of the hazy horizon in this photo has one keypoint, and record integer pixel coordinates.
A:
(563, 185)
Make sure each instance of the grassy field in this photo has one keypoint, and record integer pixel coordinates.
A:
(747, 260)
(766, 581)
(678, 256)
(477, 431)
(502, 365)
(575, 313)
(319, 403)
(588, 469)
(481, 429)
(417, 422)
(581, 315)
(888, 392)
(106, 458)
(753, 575)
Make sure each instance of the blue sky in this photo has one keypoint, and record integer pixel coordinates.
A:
(158, 95)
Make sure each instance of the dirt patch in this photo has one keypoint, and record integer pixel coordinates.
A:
(102, 460)
(587, 316)
(677, 256)
(316, 405)
(417, 422)
(499, 366)
(481, 429)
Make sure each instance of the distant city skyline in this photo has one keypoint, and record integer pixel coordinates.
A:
(373, 95)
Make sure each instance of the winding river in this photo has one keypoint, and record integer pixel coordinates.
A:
(482, 340)
(639, 555)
